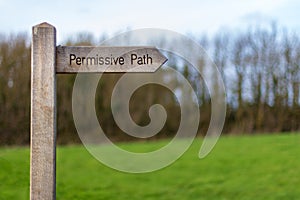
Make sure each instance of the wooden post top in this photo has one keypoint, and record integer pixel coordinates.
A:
(44, 24)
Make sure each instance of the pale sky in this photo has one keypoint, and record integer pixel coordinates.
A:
(198, 16)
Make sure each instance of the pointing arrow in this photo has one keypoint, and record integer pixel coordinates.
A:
(108, 59)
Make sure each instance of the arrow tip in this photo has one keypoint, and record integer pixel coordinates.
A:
(162, 59)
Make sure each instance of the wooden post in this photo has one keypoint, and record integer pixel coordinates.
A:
(43, 113)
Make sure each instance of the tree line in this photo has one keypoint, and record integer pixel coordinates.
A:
(259, 66)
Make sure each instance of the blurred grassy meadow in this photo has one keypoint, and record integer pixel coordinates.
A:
(239, 167)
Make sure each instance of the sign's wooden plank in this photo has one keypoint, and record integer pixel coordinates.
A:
(43, 113)
(108, 59)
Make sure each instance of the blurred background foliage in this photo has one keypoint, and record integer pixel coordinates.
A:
(260, 69)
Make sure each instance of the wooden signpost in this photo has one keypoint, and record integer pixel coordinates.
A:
(48, 60)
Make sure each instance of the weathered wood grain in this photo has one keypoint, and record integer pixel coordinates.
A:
(64, 65)
(43, 113)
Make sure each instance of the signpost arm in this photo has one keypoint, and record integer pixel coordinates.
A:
(43, 113)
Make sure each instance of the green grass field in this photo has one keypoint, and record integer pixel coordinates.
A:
(244, 167)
